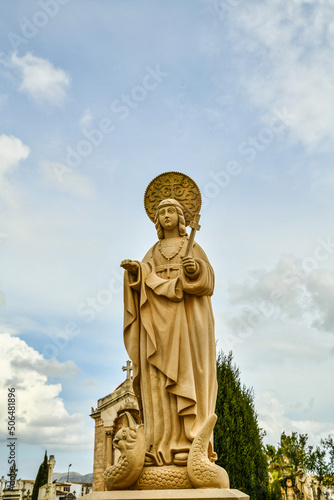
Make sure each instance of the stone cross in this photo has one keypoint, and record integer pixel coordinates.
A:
(128, 369)
(168, 267)
(194, 227)
(2, 483)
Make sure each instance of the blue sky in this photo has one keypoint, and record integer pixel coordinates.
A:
(96, 99)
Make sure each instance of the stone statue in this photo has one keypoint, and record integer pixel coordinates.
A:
(303, 486)
(288, 489)
(131, 443)
(169, 336)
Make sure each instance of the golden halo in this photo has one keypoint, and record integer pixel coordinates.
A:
(174, 185)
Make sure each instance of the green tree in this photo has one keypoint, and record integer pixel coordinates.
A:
(317, 463)
(41, 478)
(320, 461)
(237, 436)
(285, 461)
(276, 460)
(328, 444)
(295, 452)
(277, 465)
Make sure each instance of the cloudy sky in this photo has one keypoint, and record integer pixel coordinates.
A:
(96, 99)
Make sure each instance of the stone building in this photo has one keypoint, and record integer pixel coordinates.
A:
(22, 490)
(9, 493)
(26, 486)
(71, 490)
(59, 490)
(108, 422)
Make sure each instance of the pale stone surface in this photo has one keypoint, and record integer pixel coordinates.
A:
(303, 485)
(289, 491)
(130, 442)
(48, 490)
(169, 336)
(51, 464)
(129, 471)
(201, 471)
(3, 482)
(14, 494)
(24, 486)
(107, 418)
(191, 494)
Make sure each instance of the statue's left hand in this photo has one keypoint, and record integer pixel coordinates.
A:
(190, 265)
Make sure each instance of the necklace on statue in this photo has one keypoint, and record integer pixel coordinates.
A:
(168, 267)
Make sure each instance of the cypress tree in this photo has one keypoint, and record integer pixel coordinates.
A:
(41, 478)
(237, 436)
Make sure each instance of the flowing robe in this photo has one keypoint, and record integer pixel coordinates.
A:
(304, 486)
(169, 336)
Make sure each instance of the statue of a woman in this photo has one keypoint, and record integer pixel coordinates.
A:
(169, 336)
(303, 485)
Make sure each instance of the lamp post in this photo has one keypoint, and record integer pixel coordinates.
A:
(68, 473)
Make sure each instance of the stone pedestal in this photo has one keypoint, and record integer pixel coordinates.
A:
(190, 494)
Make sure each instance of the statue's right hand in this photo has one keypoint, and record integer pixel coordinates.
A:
(130, 265)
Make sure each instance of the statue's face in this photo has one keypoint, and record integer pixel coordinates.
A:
(168, 217)
(289, 483)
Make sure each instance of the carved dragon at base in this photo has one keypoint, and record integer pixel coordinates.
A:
(130, 441)
(129, 471)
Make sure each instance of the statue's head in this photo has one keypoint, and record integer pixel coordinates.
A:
(170, 202)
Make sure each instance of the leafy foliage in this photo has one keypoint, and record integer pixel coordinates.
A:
(237, 437)
(323, 464)
(41, 478)
(276, 460)
(293, 454)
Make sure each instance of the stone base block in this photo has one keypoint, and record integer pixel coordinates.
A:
(189, 494)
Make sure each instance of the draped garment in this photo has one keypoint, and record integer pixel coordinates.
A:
(169, 336)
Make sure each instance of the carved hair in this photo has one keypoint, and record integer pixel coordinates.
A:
(182, 224)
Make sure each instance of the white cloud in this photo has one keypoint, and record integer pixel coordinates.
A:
(39, 79)
(41, 416)
(288, 291)
(66, 179)
(47, 367)
(273, 419)
(320, 285)
(12, 151)
(2, 298)
(289, 47)
(280, 324)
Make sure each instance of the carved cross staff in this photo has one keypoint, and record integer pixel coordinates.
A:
(194, 227)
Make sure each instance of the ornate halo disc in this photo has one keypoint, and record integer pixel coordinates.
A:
(174, 185)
